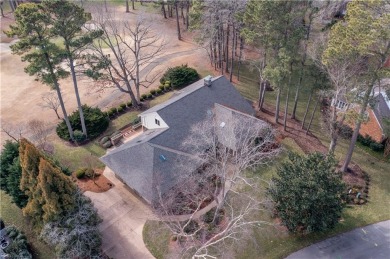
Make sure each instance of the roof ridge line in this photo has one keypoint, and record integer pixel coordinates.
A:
(184, 95)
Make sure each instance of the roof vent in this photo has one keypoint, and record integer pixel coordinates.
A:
(163, 158)
(222, 124)
(207, 80)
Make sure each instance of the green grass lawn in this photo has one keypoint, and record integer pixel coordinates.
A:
(12, 215)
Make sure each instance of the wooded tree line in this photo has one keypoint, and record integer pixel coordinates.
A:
(302, 43)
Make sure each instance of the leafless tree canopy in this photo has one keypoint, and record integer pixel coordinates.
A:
(131, 47)
(50, 101)
(229, 145)
(12, 130)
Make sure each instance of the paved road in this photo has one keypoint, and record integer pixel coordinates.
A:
(372, 241)
(124, 217)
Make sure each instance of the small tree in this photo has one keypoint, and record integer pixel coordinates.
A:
(180, 76)
(308, 193)
(50, 101)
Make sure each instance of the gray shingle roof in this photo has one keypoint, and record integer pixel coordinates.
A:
(381, 109)
(139, 162)
(192, 108)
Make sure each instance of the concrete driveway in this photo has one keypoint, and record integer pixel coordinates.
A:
(123, 217)
(372, 241)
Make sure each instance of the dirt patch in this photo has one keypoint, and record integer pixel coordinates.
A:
(307, 142)
(101, 183)
(358, 183)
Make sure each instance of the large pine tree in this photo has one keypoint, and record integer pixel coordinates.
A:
(57, 191)
(49, 191)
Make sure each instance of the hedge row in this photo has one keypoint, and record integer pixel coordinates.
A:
(111, 113)
(346, 133)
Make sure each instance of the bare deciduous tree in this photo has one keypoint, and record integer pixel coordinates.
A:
(39, 132)
(132, 47)
(50, 101)
(228, 146)
(14, 131)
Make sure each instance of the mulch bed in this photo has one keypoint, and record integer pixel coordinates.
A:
(101, 183)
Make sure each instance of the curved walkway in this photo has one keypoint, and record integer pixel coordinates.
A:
(124, 217)
(372, 241)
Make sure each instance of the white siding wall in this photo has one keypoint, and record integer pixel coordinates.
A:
(149, 121)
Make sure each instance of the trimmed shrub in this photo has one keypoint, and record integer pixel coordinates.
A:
(150, 96)
(89, 172)
(113, 110)
(78, 136)
(129, 104)
(153, 92)
(123, 106)
(120, 109)
(96, 122)
(80, 173)
(167, 88)
(161, 87)
(144, 96)
(179, 76)
(376, 146)
(108, 144)
(159, 91)
(366, 141)
(111, 113)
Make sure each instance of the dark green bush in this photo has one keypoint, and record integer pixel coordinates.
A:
(179, 76)
(80, 173)
(113, 110)
(366, 141)
(376, 146)
(89, 172)
(167, 88)
(153, 92)
(111, 113)
(129, 104)
(78, 136)
(108, 144)
(123, 106)
(150, 96)
(144, 96)
(159, 91)
(161, 87)
(96, 122)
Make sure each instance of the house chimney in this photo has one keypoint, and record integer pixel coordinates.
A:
(207, 81)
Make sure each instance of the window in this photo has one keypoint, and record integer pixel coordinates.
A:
(157, 122)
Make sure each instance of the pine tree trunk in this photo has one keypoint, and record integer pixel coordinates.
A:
(233, 54)
(57, 88)
(240, 58)
(312, 115)
(12, 5)
(227, 48)
(182, 14)
(263, 95)
(1, 9)
(286, 104)
(163, 10)
(357, 128)
(76, 90)
(277, 106)
(297, 91)
(187, 15)
(127, 6)
(307, 109)
(177, 22)
(132, 4)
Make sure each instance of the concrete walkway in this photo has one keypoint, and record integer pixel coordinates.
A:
(124, 217)
(372, 241)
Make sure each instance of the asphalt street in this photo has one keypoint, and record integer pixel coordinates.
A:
(372, 241)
